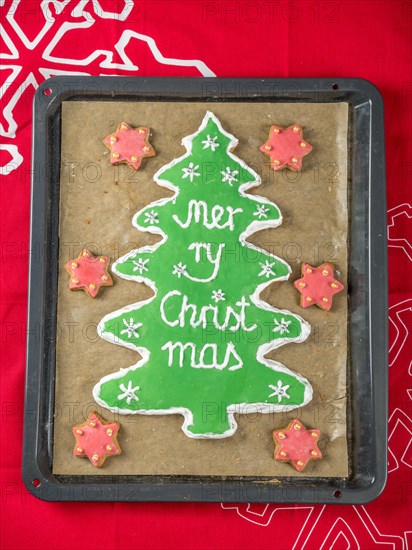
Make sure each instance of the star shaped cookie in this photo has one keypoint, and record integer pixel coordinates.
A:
(128, 145)
(96, 439)
(297, 445)
(286, 147)
(89, 273)
(318, 286)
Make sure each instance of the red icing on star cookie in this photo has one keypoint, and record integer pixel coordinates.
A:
(317, 286)
(297, 445)
(286, 147)
(89, 273)
(96, 439)
(129, 146)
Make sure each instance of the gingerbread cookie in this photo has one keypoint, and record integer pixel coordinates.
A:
(297, 445)
(96, 439)
(89, 273)
(286, 147)
(202, 285)
(318, 286)
(128, 145)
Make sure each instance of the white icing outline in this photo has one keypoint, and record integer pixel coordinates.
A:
(253, 227)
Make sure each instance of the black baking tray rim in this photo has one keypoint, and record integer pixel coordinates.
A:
(368, 325)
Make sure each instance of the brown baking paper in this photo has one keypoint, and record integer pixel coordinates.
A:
(97, 202)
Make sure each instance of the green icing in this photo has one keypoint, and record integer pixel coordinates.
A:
(203, 351)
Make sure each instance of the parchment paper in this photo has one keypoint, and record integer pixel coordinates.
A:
(97, 205)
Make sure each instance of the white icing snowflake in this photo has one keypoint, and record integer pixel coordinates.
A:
(190, 172)
(179, 269)
(281, 327)
(151, 217)
(140, 265)
(279, 391)
(261, 211)
(128, 393)
(218, 295)
(229, 176)
(267, 270)
(131, 328)
(210, 142)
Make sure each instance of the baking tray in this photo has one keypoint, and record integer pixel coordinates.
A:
(367, 346)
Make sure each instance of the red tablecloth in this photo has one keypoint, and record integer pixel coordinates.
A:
(368, 39)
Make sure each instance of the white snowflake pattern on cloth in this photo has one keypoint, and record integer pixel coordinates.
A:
(151, 217)
(131, 328)
(282, 327)
(54, 30)
(261, 211)
(267, 270)
(279, 391)
(229, 176)
(179, 269)
(218, 295)
(190, 171)
(210, 142)
(140, 265)
(128, 393)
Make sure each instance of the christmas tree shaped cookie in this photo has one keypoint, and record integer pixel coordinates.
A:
(205, 333)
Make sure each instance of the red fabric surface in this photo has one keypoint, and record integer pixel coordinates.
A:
(368, 39)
